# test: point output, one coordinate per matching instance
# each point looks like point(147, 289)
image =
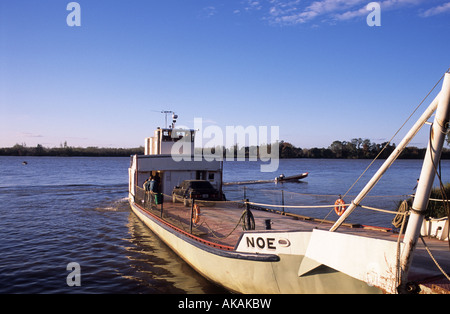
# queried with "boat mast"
point(174, 118)
point(432, 157)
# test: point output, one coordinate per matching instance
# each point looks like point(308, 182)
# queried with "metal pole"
point(406, 140)
point(247, 218)
point(162, 202)
point(192, 215)
point(151, 197)
point(282, 199)
point(430, 164)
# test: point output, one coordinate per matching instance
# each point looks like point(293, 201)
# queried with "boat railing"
point(375, 209)
point(223, 221)
point(217, 221)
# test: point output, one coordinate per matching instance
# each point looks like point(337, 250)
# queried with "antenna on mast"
point(174, 118)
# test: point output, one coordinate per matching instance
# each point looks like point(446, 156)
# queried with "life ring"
point(339, 207)
point(196, 214)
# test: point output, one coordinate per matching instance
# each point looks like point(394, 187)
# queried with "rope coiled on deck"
point(401, 214)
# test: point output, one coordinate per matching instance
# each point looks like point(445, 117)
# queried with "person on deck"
point(147, 183)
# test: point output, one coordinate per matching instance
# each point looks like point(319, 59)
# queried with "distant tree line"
point(356, 148)
point(69, 151)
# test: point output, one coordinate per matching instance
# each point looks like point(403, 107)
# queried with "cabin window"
point(211, 176)
point(167, 136)
point(176, 135)
point(200, 175)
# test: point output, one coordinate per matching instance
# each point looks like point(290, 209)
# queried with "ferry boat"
point(234, 244)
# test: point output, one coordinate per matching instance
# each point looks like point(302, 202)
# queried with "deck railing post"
point(192, 216)
point(150, 199)
point(162, 202)
point(249, 220)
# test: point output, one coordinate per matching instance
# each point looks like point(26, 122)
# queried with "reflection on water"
point(157, 266)
point(57, 211)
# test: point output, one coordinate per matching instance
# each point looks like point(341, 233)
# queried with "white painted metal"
point(292, 243)
point(435, 228)
point(427, 176)
point(367, 259)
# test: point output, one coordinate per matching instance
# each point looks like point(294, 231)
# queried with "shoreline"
point(286, 151)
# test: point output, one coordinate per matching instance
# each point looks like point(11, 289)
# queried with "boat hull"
point(251, 273)
point(295, 178)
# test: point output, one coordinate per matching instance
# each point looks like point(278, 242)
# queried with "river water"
point(55, 211)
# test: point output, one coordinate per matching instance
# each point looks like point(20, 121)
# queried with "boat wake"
point(280, 179)
point(119, 205)
point(248, 182)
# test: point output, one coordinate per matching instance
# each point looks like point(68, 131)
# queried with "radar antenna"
point(174, 118)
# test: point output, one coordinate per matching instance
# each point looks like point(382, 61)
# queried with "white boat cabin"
point(159, 160)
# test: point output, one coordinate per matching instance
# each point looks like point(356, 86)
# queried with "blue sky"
point(313, 68)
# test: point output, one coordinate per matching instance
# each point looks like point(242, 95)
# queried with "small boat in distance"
point(282, 178)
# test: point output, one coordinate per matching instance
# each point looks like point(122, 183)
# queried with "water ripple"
point(48, 224)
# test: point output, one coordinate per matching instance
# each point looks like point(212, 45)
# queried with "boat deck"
point(222, 223)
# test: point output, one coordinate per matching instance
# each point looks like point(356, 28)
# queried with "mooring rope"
point(434, 260)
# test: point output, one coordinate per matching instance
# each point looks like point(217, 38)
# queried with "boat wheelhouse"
point(172, 167)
